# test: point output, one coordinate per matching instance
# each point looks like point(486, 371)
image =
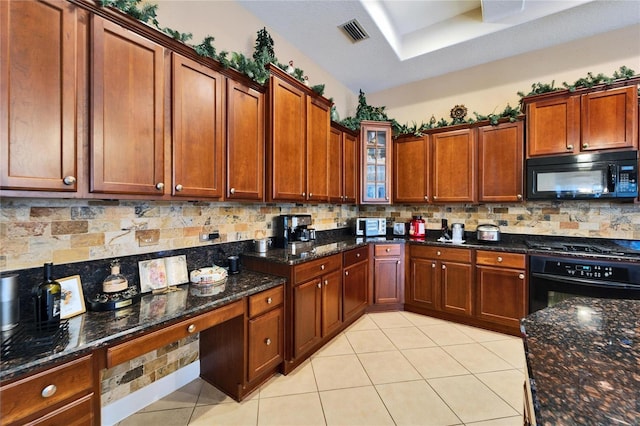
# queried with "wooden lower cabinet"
point(65, 394)
point(388, 276)
point(355, 283)
point(265, 341)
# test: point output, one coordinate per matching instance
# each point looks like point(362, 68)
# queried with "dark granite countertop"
point(93, 330)
point(583, 358)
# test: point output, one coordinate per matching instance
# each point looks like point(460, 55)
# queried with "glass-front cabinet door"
point(375, 137)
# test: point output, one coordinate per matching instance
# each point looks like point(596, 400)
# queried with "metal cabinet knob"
point(267, 341)
point(386, 198)
point(69, 180)
point(326, 282)
point(304, 194)
point(311, 194)
point(346, 273)
point(322, 267)
point(49, 391)
point(357, 254)
point(570, 147)
point(438, 253)
point(178, 187)
point(519, 196)
point(269, 300)
point(435, 197)
point(387, 250)
point(398, 262)
point(426, 198)
point(499, 258)
point(191, 328)
point(232, 191)
point(433, 265)
point(585, 145)
point(160, 186)
point(521, 276)
point(319, 285)
point(444, 266)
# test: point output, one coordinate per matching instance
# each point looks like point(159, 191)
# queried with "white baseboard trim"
point(134, 402)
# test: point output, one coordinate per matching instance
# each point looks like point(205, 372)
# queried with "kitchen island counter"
point(582, 359)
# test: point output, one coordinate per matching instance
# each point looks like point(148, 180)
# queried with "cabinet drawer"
point(262, 302)
point(78, 413)
point(315, 268)
point(442, 253)
point(497, 258)
point(380, 250)
point(64, 382)
point(354, 256)
point(133, 348)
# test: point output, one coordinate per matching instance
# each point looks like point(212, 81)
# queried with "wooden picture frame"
point(72, 297)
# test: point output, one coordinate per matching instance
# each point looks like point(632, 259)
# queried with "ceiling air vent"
point(354, 31)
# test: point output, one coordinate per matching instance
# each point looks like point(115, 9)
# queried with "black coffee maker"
point(290, 228)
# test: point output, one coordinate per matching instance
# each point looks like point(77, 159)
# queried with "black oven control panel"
point(582, 270)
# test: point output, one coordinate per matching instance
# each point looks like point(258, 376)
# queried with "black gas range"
point(610, 248)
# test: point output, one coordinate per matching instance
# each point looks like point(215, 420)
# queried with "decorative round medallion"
point(458, 112)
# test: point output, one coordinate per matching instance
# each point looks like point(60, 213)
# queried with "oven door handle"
point(585, 281)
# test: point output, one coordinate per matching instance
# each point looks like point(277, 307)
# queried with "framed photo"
point(163, 273)
point(72, 298)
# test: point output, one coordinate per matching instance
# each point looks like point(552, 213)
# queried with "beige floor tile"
point(369, 341)
point(506, 384)
point(434, 362)
point(505, 421)
point(408, 338)
point(481, 335)
point(354, 407)
point(388, 367)
point(446, 334)
point(511, 350)
point(390, 320)
point(470, 399)
point(476, 358)
point(303, 409)
point(171, 417)
point(336, 372)
point(339, 345)
point(363, 323)
point(186, 396)
point(415, 403)
point(238, 414)
point(210, 395)
point(300, 380)
point(420, 320)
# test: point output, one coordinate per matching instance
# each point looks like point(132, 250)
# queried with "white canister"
point(262, 245)
point(457, 232)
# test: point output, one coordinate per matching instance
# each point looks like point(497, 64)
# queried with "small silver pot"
point(488, 232)
point(262, 245)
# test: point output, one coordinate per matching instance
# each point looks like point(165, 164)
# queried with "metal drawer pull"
point(267, 341)
point(387, 250)
point(438, 253)
point(322, 267)
point(191, 328)
point(499, 258)
point(521, 276)
point(49, 391)
point(269, 300)
point(357, 254)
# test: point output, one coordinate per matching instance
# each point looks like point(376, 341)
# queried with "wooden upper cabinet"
point(38, 128)
point(410, 169)
point(453, 165)
point(501, 162)
point(318, 128)
point(376, 149)
point(553, 126)
point(335, 166)
point(127, 98)
point(245, 142)
point(198, 150)
point(609, 119)
point(286, 147)
point(350, 167)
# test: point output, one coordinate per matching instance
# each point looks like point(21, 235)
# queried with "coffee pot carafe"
point(457, 232)
point(9, 301)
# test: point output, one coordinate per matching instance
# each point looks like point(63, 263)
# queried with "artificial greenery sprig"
point(623, 73)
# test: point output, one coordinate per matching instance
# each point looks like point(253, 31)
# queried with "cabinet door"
point(335, 166)
point(350, 168)
point(423, 283)
point(456, 285)
point(553, 126)
point(375, 138)
point(331, 302)
point(500, 162)
point(318, 126)
point(245, 143)
point(265, 342)
point(501, 295)
point(307, 300)
point(38, 96)
point(354, 284)
point(127, 152)
point(388, 279)
point(609, 119)
point(198, 160)
point(453, 166)
point(410, 170)
point(288, 156)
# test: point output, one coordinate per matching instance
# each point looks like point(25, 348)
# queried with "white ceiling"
point(411, 40)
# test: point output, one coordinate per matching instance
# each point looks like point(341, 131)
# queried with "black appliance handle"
point(585, 281)
point(612, 177)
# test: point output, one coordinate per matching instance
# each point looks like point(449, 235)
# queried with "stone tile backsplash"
point(34, 231)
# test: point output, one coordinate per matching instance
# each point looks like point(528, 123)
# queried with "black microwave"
point(610, 175)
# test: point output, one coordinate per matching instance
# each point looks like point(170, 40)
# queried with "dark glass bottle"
point(47, 300)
